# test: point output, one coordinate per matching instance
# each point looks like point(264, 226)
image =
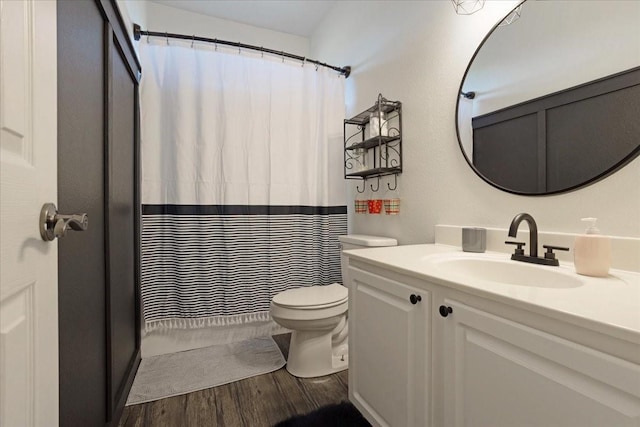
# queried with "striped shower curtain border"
point(217, 265)
point(241, 210)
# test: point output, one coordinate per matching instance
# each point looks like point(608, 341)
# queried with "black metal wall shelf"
point(372, 142)
point(374, 172)
point(381, 153)
point(363, 118)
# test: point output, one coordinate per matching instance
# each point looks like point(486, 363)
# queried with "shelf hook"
point(358, 190)
point(395, 178)
point(377, 188)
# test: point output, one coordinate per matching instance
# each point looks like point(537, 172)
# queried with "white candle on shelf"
point(378, 124)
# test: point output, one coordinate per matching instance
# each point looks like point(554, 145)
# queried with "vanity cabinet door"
point(389, 350)
point(501, 373)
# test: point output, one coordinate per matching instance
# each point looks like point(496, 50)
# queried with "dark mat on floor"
point(339, 415)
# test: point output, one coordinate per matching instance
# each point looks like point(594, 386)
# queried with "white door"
point(28, 171)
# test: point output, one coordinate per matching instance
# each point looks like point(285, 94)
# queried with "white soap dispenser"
point(592, 251)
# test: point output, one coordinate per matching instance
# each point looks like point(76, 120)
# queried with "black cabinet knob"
point(445, 311)
point(415, 298)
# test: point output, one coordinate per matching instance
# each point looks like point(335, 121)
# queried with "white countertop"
point(609, 305)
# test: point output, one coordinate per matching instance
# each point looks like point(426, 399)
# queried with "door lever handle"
point(54, 224)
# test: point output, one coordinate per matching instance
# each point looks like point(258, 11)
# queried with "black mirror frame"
point(593, 180)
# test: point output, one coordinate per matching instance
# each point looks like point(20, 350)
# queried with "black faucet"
point(549, 256)
point(533, 231)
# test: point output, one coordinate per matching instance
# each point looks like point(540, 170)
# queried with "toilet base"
point(311, 355)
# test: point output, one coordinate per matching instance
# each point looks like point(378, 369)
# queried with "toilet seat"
point(312, 297)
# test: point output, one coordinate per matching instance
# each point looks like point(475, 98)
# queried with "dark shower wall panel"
point(573, 130)
point(97, 174)
point(81, 272)
point(502, 152)
point(122, 213)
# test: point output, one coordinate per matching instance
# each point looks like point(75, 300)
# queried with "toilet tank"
point(360, 241)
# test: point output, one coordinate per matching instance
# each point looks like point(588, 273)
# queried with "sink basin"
point(501, 269)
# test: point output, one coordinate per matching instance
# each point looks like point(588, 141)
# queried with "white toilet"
point(317, 315)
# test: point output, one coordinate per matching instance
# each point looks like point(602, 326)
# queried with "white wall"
point(158, 17)
point(417, 52)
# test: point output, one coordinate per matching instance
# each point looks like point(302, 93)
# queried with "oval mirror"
point(550, 101)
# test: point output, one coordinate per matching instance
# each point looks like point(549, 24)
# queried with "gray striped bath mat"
point(174, 374)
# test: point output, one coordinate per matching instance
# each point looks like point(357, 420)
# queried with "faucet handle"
point(549, 254)
point(518, 250)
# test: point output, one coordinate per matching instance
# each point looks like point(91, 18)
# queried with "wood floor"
point(255, 402)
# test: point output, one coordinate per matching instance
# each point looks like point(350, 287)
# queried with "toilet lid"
point(312, 296)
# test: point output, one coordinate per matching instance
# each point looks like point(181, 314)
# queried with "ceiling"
point(298, 17)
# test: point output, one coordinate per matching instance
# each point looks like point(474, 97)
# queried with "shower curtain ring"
point(239, 51)
point(193, 39)
point(262, 51)
point(304, 61)
point(282, 53)
point(166, 35)
point(215, 42)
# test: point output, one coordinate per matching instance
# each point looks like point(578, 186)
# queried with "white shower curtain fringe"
point(195, 323)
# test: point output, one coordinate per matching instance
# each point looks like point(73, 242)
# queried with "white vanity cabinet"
point(484, 363)
point(498, 372)
point(389, 350)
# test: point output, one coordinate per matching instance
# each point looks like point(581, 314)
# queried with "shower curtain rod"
point(138, 32)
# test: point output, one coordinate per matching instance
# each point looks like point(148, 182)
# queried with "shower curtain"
point(242, 183)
